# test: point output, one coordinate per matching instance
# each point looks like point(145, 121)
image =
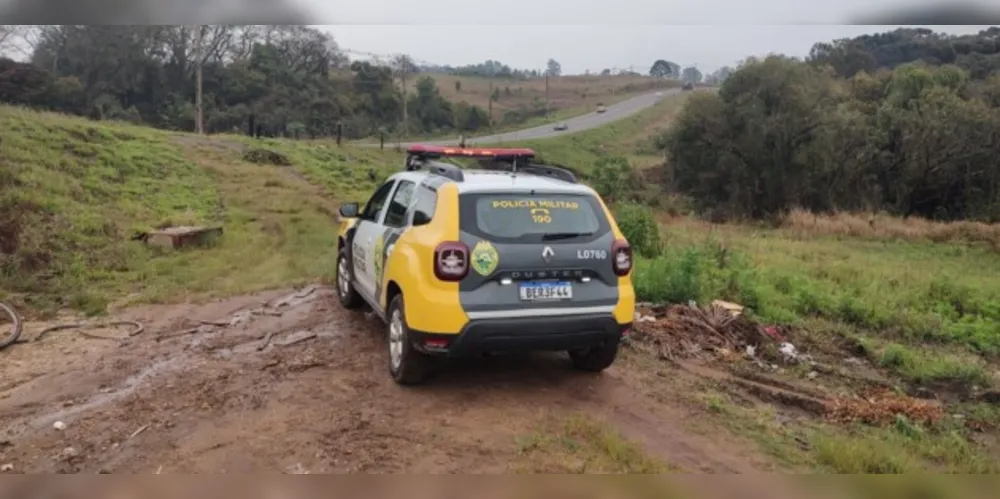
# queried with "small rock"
point(7, 467)
point(812, 375)
point(69, 452)
point(59, 425)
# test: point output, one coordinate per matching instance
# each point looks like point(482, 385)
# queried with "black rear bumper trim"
point(526, 334)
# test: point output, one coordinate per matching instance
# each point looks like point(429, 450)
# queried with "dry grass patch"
point(882, 226)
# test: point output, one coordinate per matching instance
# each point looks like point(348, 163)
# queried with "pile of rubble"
point(687, 331)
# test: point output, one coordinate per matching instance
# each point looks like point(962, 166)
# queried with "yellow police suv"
point(509, 256)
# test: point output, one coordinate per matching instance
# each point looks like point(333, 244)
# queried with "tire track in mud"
point(209, 401)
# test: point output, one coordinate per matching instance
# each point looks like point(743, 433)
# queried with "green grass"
point(818, 446)
point(73, 192)
point(915, 292)
point(578, 444)
point(345, 173)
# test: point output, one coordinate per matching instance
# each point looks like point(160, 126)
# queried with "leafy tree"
point(978, 54)
point(292, 79)
point(919, 139)
point(428, 110)
point(665, 69)
point(553, 68)
point(691, 75)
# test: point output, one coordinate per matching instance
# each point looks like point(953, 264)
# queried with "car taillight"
point(621, 257)
point(451, 261)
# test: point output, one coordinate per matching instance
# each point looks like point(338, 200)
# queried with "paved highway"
point(578, 124)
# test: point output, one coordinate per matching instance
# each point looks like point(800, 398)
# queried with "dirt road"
point(208, 397)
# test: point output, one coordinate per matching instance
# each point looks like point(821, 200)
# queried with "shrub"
point(611, 178)
point(640, 228)
point(700, 273)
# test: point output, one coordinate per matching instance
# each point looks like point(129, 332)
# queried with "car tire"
point(407, 365)
point(349, 296)
point(595, 359)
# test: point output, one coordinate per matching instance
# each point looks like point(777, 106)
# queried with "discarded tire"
point(8, 338)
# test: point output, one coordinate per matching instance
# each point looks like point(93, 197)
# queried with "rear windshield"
point(533, 217)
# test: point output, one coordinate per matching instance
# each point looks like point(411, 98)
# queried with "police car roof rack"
point(512, 160)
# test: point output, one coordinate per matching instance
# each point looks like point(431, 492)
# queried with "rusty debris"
point(882, 408)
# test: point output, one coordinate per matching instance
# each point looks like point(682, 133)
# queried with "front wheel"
point(349, 296)
point(595, 359)
point(406, 365)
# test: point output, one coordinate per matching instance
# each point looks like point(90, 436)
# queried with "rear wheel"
point(349, 296)
point(406, 365)
point(595, 359)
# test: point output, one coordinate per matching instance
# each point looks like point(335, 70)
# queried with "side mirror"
point(349, 210)
point(420, 218)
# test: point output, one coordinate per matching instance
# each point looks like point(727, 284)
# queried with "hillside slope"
point(578, 93)
point(74, 192)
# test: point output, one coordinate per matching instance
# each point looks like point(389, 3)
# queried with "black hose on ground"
point(18, 326)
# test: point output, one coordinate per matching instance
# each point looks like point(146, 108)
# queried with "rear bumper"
point(525, 334)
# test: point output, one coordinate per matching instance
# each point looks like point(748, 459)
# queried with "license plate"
point(546, 291)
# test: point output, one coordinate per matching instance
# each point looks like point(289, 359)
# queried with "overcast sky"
point(594, 34)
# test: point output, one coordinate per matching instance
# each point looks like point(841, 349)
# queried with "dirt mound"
point(266, 157)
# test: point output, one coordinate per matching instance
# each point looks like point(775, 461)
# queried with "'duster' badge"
point(485, 258)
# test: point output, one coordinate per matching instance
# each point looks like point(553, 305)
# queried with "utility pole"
point(199, 124)
point(403, 61)
point(406, 118)
point(490, 105)
point(546, 94)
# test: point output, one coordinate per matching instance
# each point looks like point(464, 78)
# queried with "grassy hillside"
point(565, 92)
point(74, 192)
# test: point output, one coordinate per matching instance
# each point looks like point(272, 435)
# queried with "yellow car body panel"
point(625, 309)
point(432, 305)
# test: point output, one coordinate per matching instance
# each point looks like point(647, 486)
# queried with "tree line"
point(906, 122)
point(292, 80)
point(663, 68)
point(487, 69)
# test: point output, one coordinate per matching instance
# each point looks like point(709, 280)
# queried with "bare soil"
point(289, 382)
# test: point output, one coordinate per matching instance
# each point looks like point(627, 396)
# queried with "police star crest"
point(485, 258)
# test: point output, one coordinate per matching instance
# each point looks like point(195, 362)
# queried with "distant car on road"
point(601, 109)
point(688, 86)
point(561, 126)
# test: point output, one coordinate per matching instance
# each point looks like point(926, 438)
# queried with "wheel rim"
point(343, 283)
point(396, 339)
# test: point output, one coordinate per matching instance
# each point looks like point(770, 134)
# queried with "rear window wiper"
point(565, 235)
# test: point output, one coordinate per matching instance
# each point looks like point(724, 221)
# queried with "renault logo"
point(547, 254)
